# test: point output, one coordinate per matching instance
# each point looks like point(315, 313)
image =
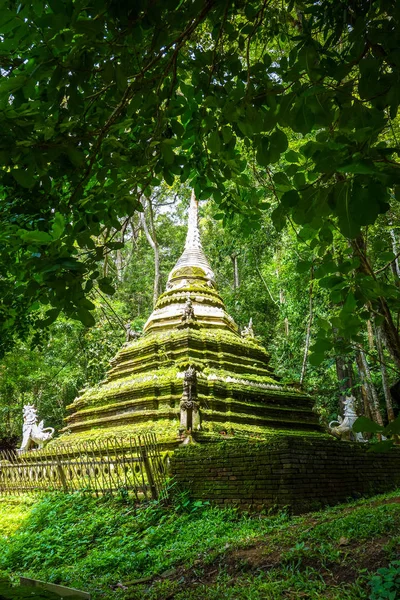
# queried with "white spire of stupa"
point(193, 254)
point(193, 234)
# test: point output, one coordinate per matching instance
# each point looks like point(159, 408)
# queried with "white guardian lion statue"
point(342, 427)
point(32, 432)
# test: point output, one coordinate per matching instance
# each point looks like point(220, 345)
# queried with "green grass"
point(196, 551)
point(13, 512)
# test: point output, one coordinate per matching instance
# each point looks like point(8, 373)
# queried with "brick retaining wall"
point(303, 473)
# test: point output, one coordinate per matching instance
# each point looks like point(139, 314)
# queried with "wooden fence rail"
point(100, 467)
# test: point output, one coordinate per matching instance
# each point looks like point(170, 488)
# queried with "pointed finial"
point(193, 234)
point(193, 254)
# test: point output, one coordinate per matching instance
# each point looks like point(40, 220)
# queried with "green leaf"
point(24, 177)
point(85, 317)
point(303, 266)
point(76, 156)
point(40, 237)
point(278, 217)
point(365, 425)
point(292, 156)
point(363, 168)
point(331, 282)
point(281, 181)
point(58, 226)
point(168, 176)
point(263, 155)
point(350, 303)
point(278, 140)
point(214, 142)
point(227, 134)
point(383, 446)
point(167, 153)
point(290, 199)
point(105, 286)
point(50, 316)
point(177, 128)
point(387, 256)
point(322, 345)
point(267, 60)
point(299, 180)
point(393, 427)
point(85, 303)
point(316, 358)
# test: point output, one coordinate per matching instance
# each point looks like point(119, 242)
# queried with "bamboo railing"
point(99, 467)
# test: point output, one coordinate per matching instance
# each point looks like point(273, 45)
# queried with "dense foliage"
point(260, 276)
point(191, 550)
point(284, 113)
point(100, 103)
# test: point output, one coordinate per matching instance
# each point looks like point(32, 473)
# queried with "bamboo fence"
point(99, 467)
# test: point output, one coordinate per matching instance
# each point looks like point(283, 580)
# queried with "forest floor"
point(193, 551)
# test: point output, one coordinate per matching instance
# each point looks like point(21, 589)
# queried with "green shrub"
point(385, 585)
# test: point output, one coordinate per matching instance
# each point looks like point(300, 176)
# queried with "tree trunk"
point(370, 335)
point(119, 263)
point(265, 285)
point(105, 261)
point(308, 334)
point(105, 266)
point(236, 283)
point(395, 249)
point(367, 407)
point(385, 380)
point(344, 372)
point(150, 233)
point(366, 378)
point(389, 330)
point(282, 301)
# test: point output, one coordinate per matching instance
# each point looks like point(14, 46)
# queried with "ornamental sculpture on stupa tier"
point(191, 372)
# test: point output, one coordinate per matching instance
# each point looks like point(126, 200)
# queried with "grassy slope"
point(193, 551)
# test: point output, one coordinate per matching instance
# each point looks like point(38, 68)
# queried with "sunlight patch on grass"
point(14, 510)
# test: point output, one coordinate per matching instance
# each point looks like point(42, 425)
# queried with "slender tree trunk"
point(265, 285)
point(282, 301)
point(119, 258)
point(385, 380)
point(370, 335)
point(364, 389)
point(344, 373)
point(236, 283)
point(119, 265)
point(389, 330)
point(367, 407)
point(395, 249)
point(366, 378)
point(308, 334)
point(150, 233)
point(395, 266)
point(106, 266)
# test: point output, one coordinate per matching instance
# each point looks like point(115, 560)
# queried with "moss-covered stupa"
point(191, 370)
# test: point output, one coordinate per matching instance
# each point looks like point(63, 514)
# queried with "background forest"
point(273, 277)
point(283, 116)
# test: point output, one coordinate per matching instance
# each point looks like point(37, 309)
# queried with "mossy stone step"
point(10, 592)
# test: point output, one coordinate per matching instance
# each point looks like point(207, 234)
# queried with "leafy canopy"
point(101, 101)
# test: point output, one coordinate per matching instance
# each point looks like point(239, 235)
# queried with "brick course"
point(288, 471)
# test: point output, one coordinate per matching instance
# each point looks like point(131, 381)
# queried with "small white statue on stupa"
point(32, 432)
point(188, 311)
point(131, 335)
point(343, 427)
point(248, 332)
